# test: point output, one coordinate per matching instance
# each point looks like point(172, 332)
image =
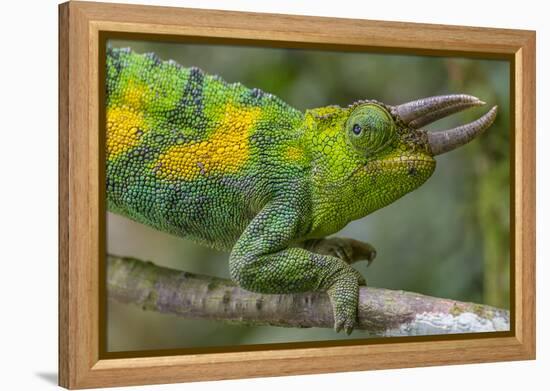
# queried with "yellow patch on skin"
point(313, 115)
point(135, 94)
point(294, 154)
point(225, 151)
point(124, 129)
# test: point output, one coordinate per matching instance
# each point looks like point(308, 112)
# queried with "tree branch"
point(381, 311)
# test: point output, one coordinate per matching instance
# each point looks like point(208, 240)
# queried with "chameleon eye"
point(370, 128)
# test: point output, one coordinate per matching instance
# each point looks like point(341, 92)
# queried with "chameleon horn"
point(447, 140)
point(427, 110)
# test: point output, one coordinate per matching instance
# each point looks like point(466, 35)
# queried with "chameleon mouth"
point(413, 166)
point(424, 111)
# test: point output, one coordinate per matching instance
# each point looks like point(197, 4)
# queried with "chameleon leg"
point(262, 261)
point(348, 250)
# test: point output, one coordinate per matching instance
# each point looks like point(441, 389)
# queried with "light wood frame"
point(80, 241)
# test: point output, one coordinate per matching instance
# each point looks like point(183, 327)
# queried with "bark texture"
point(382, 312)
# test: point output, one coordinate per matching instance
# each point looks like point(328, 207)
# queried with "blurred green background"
point(449, 238)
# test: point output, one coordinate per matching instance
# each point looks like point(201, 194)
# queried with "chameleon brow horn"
point(427, 110)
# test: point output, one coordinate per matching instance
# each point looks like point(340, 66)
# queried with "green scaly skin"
point(238, 169)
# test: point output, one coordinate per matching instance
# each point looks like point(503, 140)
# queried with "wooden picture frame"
point(83, 25)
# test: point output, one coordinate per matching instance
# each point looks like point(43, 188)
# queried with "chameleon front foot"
point(265, 260)
point(344, 296)
point(347, 249)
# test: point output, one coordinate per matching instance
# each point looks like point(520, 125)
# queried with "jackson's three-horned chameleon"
point(240, 170)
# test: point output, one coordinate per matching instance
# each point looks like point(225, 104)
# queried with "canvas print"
point(261, 195)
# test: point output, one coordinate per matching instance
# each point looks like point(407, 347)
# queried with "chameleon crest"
point(240, 170)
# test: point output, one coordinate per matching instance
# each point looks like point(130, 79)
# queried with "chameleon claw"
point(347, 249)
point(345, 325)
point(371, 259)
point(362, 251)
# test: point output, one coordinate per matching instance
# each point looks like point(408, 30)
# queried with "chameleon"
point(240, 170)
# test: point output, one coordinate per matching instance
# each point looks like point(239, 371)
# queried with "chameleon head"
point(378, 153)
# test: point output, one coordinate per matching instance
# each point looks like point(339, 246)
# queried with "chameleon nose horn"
point(427, 110)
